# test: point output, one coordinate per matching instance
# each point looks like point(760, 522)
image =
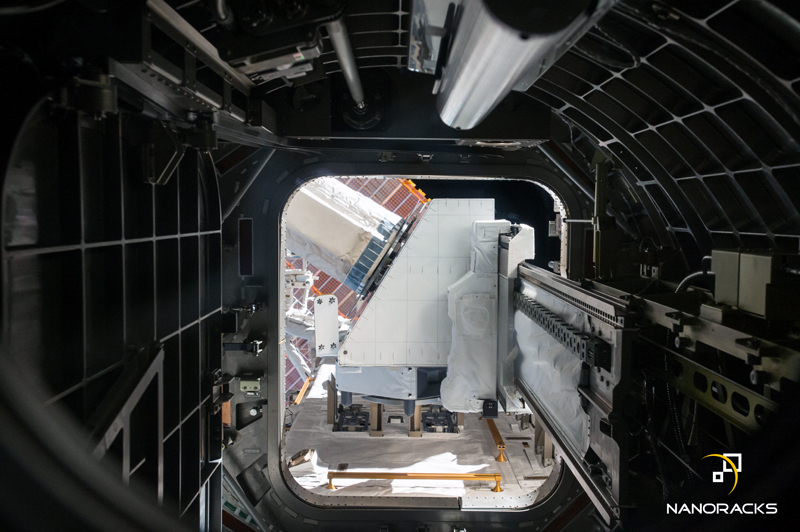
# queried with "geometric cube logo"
point(731, 463)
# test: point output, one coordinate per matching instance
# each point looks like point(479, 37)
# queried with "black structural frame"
point(112, 297)
point(696, 101)
point(279, 503)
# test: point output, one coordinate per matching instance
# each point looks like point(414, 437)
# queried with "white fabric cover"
point(329, 225)
point(484, 237)
point(472, 308)
point(520, 248)
point(472, 362)
point(548, 367)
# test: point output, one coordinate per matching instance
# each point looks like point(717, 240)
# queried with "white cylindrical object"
point(489, 57)
point(338, 230)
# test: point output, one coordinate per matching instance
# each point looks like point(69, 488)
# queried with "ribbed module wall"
point(688, 96)
point(102, 265)
point(701, 113)
point(379, 33)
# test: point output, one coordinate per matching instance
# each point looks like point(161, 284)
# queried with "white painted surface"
point(326, 324)
point(406, 323)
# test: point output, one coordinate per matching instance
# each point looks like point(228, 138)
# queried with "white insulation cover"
point(549, 368)
point(329, 225)
point(472, 308)
point(484, 236)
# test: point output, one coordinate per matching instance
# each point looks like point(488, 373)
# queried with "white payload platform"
point(470, 451)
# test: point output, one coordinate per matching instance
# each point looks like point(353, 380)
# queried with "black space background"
point(515, 201)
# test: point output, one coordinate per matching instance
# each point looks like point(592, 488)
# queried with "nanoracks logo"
point(750, 508)
point(734, 460)
point(719, 476)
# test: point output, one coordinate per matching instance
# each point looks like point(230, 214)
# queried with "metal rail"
point(253, 167)
point(597, 304)
point(776, 359)
point(601, 498)
point(236, 489)
point(496, 477)
point(593, 351)
point(114, 416)
point(169, 21)
point(733, 402)
point(498, 440)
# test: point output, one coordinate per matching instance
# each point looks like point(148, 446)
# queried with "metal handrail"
point(496, 477)
point(303, 390)
point(498, 440)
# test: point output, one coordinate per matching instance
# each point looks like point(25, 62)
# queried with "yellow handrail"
point(303, 390)
point(498, 440)
point(496, 477)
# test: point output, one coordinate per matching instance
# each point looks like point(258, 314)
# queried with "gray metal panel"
point(756, 271)
point(725, 265)
point(605, 308)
